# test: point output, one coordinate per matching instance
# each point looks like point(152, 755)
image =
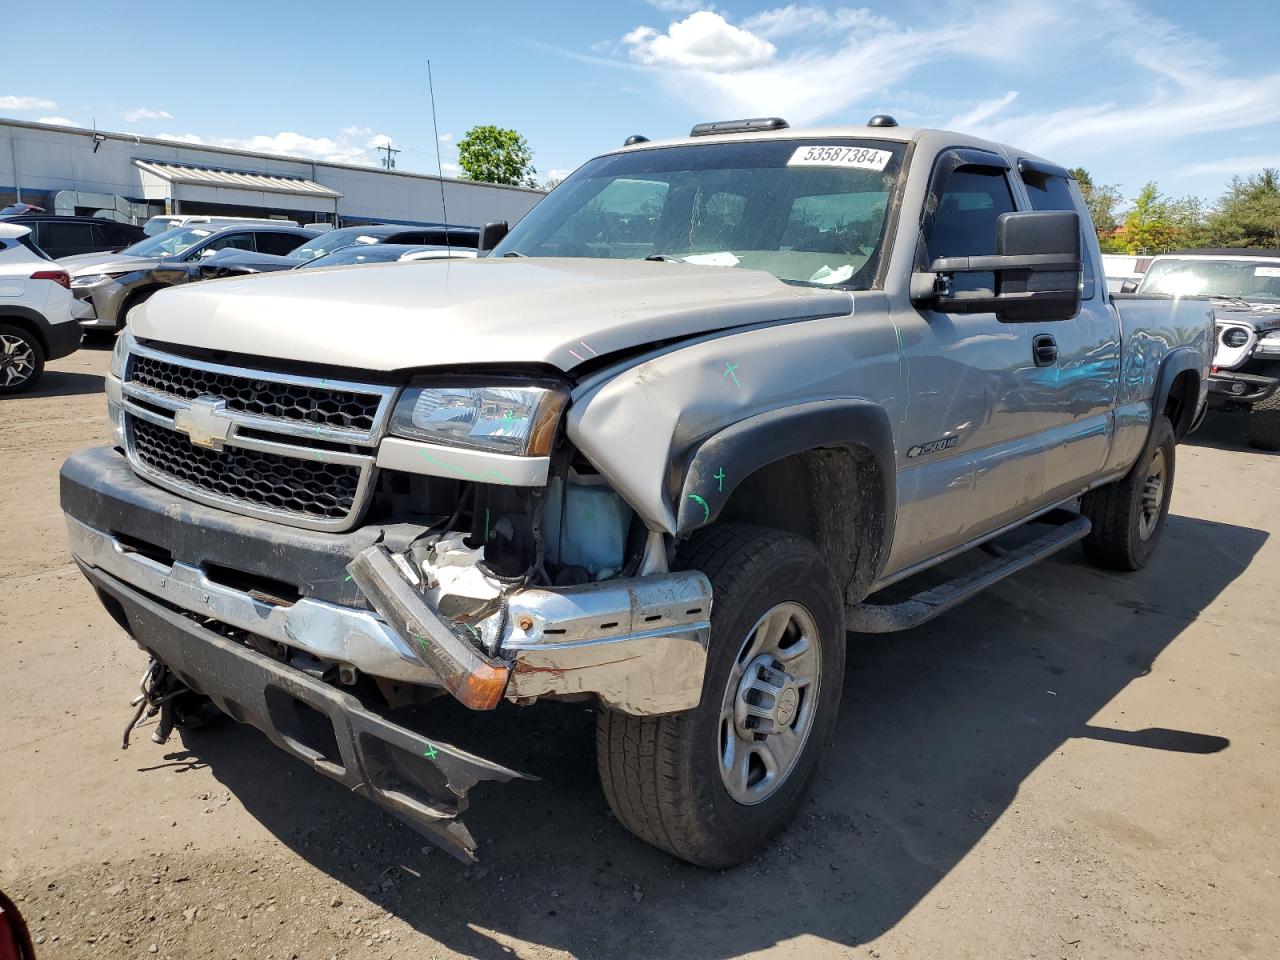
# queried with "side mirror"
point(491, 235)
point(1037, 270)
point(1129, 286)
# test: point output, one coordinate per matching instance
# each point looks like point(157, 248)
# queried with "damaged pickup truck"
point(712, 403)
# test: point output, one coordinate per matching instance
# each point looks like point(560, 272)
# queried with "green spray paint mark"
point(467, 474)
point(509, 419)
point(423, 642)
point(728, 371)
point(719, 478)
point(486, 524)
point(702, 503)
point(348, 579)
point(431, 752)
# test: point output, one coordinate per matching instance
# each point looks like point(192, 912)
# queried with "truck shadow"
point(1224, 431)
point(938, 729)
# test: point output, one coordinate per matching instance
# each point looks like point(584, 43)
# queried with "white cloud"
point(679, 6)
point(446, 137)
point(57, 121)
point(1230, 165)
point(981, 112)
point(451, 169)
point(792, 19)
point(702, 41)
point(8, 102)
point(145, 113)
point(353, 145)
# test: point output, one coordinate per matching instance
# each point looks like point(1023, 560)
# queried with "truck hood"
point(443, 313)
point(106, 263)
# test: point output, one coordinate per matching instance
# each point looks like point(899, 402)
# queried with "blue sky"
point(1187, 93)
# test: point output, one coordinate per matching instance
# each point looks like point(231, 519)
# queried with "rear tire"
point(134, 300)
point(1128, 515)
point(1264, 417)
point(21, 359)
point(712, 785)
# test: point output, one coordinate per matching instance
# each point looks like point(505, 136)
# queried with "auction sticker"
point(858, 158)
point(1266, 272)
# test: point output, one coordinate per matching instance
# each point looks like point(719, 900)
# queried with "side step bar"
point(869, 617)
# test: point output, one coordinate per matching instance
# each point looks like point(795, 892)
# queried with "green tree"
point(1157, 224)
point(495, 155)
point(1102, 202)
point(1248, 214)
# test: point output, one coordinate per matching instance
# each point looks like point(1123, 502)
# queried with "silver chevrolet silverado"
point(714, 402)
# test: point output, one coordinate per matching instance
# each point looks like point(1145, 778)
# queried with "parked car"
point(60, 236)
point(20, 207)
point(359, 253)
point(1244, 286)
point(110, 285)
point(1121, 268)
point(167, 221)
point(232, 263)
point(680, 430)
point(36, 320)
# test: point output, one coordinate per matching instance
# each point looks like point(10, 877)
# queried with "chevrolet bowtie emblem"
point(204, 423)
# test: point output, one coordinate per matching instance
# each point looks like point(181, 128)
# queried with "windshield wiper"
point(664, 258)
point(514, 253)
point(1223, 296)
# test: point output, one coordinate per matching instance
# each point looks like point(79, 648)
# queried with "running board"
point(927, 604)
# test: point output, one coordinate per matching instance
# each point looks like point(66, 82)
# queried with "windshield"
point(1257, 281)
point(168, 244)
point(158, 225)
point(329, 242)
point(360, 253)
point(809, 212)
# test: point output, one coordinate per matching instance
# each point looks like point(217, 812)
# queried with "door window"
point(238, 241)
point(64, 239)
point(964, 225)
point(1052, 192)
point(279, 244)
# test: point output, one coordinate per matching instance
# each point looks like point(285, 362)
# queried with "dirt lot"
point(1075, 765)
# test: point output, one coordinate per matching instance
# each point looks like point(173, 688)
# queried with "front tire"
point(1264, 417)
point(21, 359)
point(712, 785)
point(1128, 515)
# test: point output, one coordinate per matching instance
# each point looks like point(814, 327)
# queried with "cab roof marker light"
point(753, 125)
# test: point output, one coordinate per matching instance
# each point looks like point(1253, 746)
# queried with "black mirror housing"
point(1129, 286)
point(492, 234)
point(1037, 269)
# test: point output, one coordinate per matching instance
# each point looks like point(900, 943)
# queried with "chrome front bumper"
point(638, 644)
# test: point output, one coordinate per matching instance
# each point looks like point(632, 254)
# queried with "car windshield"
point(168, 244)
point(158, 225)
point(360, 253)
point(1255, 280)
point(326, 243)
point(807, 211)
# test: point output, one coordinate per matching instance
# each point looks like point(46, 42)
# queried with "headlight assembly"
point(514, 420)
point(119, 353)
point(89, 279)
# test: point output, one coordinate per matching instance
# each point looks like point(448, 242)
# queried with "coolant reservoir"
point(591, 525)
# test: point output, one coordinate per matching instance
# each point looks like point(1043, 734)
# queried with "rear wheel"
point(713, 784)
point(1128, 515)
point(21, 359)
point(133, 300)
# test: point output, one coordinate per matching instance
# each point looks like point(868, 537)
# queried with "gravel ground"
point(1075, 765)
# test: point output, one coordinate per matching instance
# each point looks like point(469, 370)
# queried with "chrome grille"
point(337, 409)
point(296, 450)
point(326, 491)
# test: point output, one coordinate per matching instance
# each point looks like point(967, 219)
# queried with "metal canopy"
point(162, 180)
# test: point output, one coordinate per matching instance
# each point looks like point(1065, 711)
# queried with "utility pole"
point(389, 161)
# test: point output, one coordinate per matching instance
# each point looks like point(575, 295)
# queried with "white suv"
point(37, 322)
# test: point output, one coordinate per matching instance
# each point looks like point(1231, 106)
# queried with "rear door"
point(64, 238)
point(279, 243)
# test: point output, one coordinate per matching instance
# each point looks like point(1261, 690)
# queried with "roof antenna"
point(444, 210)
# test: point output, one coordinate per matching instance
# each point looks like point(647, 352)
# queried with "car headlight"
point(515, 420)
point(119, 354)
point(1269, 345)
point(89, 279)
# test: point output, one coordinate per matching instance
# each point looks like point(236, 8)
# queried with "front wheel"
point(1264, 416)
point(1128, 515)
point(712, 785)
point(21, 359)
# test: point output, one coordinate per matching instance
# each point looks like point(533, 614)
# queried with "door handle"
point(1045, 350)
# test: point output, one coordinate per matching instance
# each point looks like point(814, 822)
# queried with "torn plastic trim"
point(472, 678)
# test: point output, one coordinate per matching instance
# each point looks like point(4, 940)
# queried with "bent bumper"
point(1240, 388)
point(421, 781)
point(637, 644)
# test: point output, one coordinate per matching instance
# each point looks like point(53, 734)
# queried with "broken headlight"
point(515, 420)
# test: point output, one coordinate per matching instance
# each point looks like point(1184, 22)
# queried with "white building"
point(71, 170)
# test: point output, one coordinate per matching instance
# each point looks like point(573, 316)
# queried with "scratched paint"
point(467, 474)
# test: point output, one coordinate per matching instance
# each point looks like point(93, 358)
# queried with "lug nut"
point(525, 623)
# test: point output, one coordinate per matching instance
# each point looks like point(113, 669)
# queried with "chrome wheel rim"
point(769, 703)
point(1152, 495)
point(17, 360)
